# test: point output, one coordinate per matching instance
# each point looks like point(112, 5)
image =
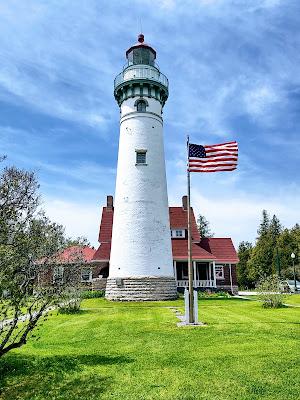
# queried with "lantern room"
point(141, 53)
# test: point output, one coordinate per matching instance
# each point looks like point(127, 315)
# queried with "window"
point(141, 106)
point(219, 271)
point(140, 156)
point(58, 275)
point(86, 275)
point(178, 233)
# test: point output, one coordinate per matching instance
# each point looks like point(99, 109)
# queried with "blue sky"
point(233, 69)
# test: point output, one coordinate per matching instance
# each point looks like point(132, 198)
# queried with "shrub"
point(270, 292)
point(71, 302)
point(92, 294)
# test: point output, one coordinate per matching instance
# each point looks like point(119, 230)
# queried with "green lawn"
point(293, 299)
point(135, 351)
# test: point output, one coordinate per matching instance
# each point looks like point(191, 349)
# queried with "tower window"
point(140, 157)
point(141, 106)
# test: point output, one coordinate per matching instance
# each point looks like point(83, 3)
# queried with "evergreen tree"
point(271, 253)
point(244, 253)
point(275, 228)
point(264, 225)
point(261, 262)
point(204, 227)
point(288, 243)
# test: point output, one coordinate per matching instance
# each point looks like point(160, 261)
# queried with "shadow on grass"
point(61, 377)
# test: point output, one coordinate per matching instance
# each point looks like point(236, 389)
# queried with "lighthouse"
point(141, 266)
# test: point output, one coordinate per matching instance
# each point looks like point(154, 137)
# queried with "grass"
point(293, 299)
point(136, 351)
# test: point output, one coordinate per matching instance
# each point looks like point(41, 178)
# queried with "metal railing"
point(141, 72)
point(197, 283)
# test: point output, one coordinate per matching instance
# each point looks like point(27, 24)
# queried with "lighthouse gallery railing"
point(141, 72)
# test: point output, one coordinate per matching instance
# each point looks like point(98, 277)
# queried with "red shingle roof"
point(180, 251)
point(76, 254)
point(178, 219)
point(219, 249)
point(222, 248)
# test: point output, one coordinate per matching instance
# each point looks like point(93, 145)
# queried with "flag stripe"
point(230, 147)
point(212, 165)
point(221, 144)
point(212, 170)
point(208, 152)
point(213, 158)
point(219, 154)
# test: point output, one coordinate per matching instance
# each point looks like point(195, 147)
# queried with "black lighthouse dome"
point(141, 53)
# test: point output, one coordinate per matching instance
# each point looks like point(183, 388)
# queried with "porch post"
point(195, 272)
point(230, 274)
point(175, 270)
point(211, 275)
point(214, 274)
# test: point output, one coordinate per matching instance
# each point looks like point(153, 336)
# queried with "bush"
point(71, 302)
point(270, 292)
point(92, 294)
point(72, 307)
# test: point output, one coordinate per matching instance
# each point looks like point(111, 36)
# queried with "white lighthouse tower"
point(141, 257)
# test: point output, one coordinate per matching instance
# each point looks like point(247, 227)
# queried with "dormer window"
point(178, 233)
point(141, 106)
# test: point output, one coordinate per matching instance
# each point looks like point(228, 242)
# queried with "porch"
point(204, 274)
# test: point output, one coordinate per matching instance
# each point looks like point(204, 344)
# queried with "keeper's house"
point(214, 259)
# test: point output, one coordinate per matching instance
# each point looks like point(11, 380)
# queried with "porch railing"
point(197, 283)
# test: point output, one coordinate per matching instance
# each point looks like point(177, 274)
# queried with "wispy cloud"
point(233, 70)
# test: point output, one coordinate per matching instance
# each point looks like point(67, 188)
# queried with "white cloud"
point(238, 216)
point(259, 100)
point(79, 219)
point(228, 59)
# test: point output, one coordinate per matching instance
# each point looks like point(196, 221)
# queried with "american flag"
point(213, 158)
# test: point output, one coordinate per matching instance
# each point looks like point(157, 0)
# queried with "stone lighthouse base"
point(147, 288)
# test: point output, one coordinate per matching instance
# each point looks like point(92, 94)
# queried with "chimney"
point(184, 203)
point(110, 202)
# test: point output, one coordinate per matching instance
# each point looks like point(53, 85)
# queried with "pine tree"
point(204, 227)
point(275, 230)
point(264, 225)
point(261, 262)
point(244, 253)
point(288, 243)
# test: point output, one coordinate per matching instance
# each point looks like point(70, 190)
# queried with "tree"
point(264, 225)
point(288, 243)
point(270, 292)
point(204, 227)
point(244, 253)
point(264, 260)
point(29, 242)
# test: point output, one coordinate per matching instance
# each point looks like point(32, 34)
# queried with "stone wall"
point(141, 289)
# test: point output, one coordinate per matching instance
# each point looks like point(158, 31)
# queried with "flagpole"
point(190, 259)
